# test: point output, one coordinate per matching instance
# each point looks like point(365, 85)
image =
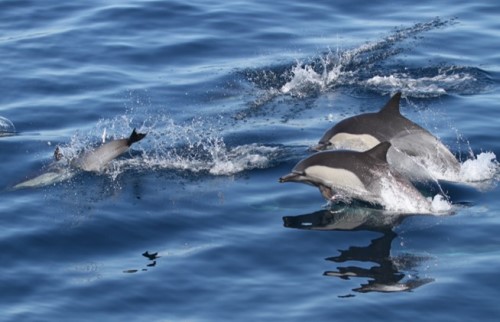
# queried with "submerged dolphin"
point(364, 176)
point(415, 152)
point(51, 176)
point(95, 160)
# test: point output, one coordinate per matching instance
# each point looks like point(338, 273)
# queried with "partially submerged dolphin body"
point(365, 176)
point(415, 152)
point(93, 160)
point(96, 160)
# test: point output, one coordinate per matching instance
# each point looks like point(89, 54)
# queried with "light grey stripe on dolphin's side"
point(97, 159)
point(415, 152)
point(356, 174)
point(372, 127)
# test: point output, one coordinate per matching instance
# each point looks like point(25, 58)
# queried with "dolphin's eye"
point(325, 143)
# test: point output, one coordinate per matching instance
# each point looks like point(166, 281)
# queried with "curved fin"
point(134, 137)
point(392, 106)
point(379, 152)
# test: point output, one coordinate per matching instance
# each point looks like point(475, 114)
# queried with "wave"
point(365, 68)
point(6, 127)
point(196, 146)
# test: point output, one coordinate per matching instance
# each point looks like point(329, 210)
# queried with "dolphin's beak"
point(318, 147)
point(289, 177)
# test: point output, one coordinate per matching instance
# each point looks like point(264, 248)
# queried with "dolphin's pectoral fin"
point(332, 197)
point(326, 192)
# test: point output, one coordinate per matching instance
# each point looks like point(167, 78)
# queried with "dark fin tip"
point(392, 106)
point(135, 137)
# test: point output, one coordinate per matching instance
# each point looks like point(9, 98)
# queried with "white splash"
point(192, 146)
point(360, 67)
point(244, 157)
point(402, 196)
point(421, 86)
point(305, 79)
point(481, 168)
point(6, 126)
point(439, 204)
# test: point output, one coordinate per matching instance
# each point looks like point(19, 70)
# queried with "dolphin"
point(415, 152)
point(95, 160)
point(364, 176)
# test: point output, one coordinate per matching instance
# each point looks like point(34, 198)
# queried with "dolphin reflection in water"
point(388, 274)
point(94, 160)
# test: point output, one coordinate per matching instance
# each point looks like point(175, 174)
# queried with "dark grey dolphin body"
point(349, 175)
point(97, 159)
point(415, 152)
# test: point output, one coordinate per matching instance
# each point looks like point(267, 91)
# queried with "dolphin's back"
point(95, 160)
point(382, 125)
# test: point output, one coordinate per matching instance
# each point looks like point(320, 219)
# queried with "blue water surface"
point(231, 95)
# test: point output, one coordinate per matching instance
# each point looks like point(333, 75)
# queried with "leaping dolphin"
point(365, 176)
point(415, 152)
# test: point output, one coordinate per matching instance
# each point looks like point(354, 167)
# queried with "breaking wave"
point(365, 68)
point(196, 146)
point(6, 127)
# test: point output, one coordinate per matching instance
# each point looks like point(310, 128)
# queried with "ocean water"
point(232, 95)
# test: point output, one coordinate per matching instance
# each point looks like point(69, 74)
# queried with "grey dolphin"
point(95, 160)
point(415, 152)
point(349, 175)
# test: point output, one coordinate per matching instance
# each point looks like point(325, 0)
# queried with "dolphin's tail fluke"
point(134, 137)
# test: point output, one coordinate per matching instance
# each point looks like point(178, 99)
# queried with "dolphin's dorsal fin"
point(379, 152)
point(392, 106)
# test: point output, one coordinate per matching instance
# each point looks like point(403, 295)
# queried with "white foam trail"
point(191, 146)
point(422, 86)
point(352, 67)
point(398, 197)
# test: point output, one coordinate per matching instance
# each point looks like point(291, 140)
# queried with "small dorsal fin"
point(379, 152)
point(392, 106)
